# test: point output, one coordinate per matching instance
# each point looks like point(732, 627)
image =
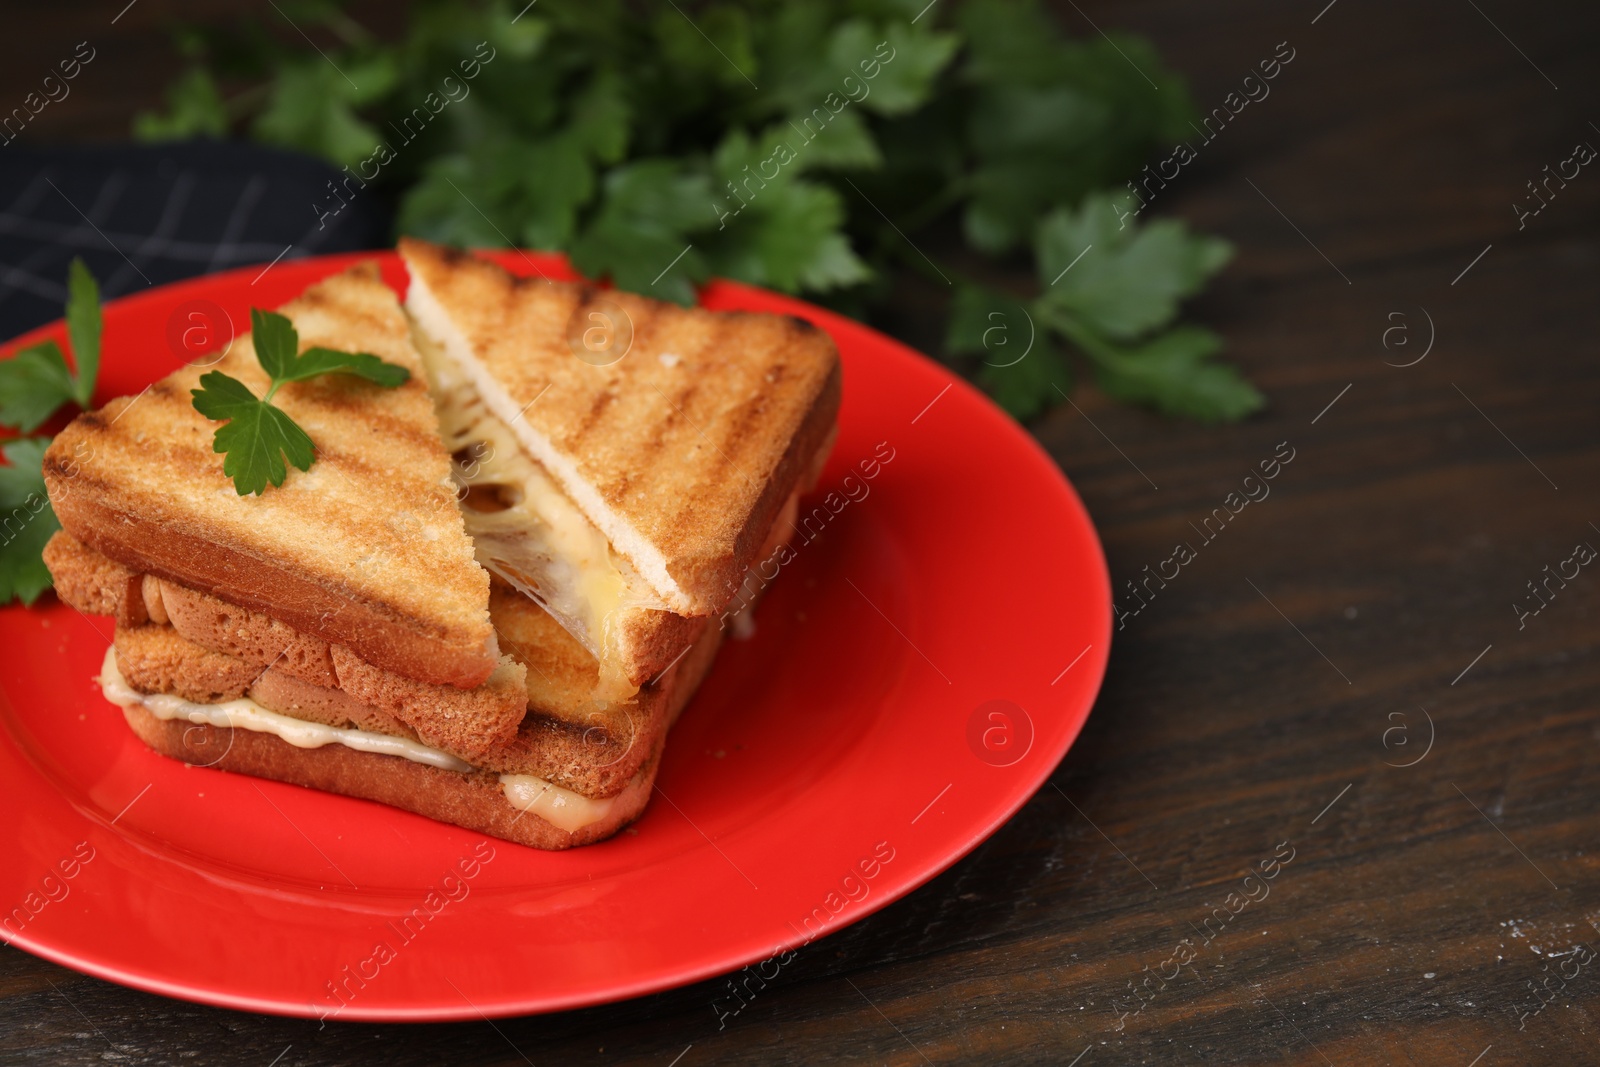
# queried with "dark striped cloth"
point(142, 215)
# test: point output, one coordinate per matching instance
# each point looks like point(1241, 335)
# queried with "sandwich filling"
point(563, 808)
point(426, 311)
point(560, 807)
point(527, 531)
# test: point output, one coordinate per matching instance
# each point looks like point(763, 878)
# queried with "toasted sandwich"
point(339, 632)
point(682, 446)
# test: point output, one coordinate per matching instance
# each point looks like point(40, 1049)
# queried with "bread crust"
point(597, 756)
point(222, 627)
point(473, 801)
point(155, 660)
point(238, 645)
point(92, 583)
point(367, 549)
point(285, 694)
point(649, 640)
point(468, 726)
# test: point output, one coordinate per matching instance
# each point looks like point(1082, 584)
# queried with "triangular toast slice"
point(367, 549)
point(679, 432)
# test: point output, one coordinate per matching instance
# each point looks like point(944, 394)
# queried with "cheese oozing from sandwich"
point(557, 806)
point(526, 530)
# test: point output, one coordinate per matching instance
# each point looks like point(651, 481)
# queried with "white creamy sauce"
point(246, 714)
point(560, 807)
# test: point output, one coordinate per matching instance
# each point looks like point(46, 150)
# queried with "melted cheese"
point(538, 540)
point(561, 808)
point(246, 714)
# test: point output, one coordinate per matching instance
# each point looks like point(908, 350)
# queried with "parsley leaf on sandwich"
point(258, 437)
point(36, 381)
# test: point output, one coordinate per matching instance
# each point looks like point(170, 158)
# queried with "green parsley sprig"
point(257, 436)
point(36, 381)
point(34, 384)
point(1111, 288)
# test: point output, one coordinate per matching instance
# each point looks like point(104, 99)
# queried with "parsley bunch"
point(34, 384)
point(812, 147)
point(257, 437)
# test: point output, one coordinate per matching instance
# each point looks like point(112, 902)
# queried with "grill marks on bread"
point(682, 460)
point(367, 548)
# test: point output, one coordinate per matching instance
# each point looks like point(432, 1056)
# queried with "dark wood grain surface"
point(1263, 705)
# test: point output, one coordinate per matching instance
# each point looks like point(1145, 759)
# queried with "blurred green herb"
point(29, 520)
point(35, 383)
point(767, 142)
point(36, 380)
point(1111, 289)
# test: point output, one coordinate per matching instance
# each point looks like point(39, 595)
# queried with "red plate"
point(918, 670)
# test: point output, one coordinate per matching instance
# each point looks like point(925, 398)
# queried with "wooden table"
point(1338, 690)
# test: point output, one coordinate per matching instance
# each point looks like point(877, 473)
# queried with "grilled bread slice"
point(366, 550)
point(679, 432)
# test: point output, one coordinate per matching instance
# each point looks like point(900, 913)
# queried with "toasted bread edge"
point(379, 633)
point(471, 801)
